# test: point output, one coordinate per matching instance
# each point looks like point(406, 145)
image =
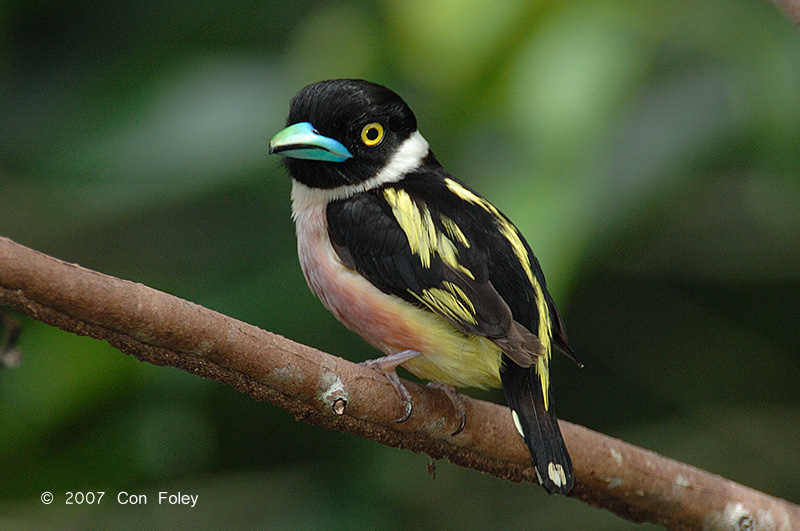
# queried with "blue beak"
point(302, 141)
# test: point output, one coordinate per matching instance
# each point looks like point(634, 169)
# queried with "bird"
point(424, 268)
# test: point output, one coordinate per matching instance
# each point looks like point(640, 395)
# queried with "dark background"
point(647, 150)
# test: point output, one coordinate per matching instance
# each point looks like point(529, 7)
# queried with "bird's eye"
point(372, 134)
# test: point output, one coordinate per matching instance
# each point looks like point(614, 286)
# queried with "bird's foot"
point(387, 366)
point(458, 403)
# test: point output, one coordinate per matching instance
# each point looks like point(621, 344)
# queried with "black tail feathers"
point(538, 427)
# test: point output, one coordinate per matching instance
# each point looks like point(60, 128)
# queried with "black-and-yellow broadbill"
point(420, 265)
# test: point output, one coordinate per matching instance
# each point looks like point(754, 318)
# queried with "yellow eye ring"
point(372, 134)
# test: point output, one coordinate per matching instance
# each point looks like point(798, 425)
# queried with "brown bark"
point(791, 8)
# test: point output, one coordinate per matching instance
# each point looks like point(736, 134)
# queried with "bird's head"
point(343, 132)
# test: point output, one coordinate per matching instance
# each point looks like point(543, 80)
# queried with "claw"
point(457, 401)
point(407, 406)
point(387, 365)
point(405, 396)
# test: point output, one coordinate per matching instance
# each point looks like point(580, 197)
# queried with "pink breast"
point(381, 319)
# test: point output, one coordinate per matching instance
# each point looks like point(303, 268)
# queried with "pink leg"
point(387, 365)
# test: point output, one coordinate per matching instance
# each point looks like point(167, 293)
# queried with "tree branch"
point(322, 389)
point(789, 7)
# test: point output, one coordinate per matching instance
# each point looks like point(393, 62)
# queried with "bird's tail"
point(538, 426)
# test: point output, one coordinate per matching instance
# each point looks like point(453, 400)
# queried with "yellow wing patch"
point(545, 336)
point(415, 222)
point(454, 231)
point(510, 232)
point(449, 301)
point(423, 237)
point(506, 228)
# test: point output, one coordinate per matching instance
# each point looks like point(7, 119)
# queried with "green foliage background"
point(648, 151)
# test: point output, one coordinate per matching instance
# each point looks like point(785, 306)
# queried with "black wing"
point(412, 239)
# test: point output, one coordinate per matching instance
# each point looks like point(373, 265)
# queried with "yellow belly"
point(450, 357)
